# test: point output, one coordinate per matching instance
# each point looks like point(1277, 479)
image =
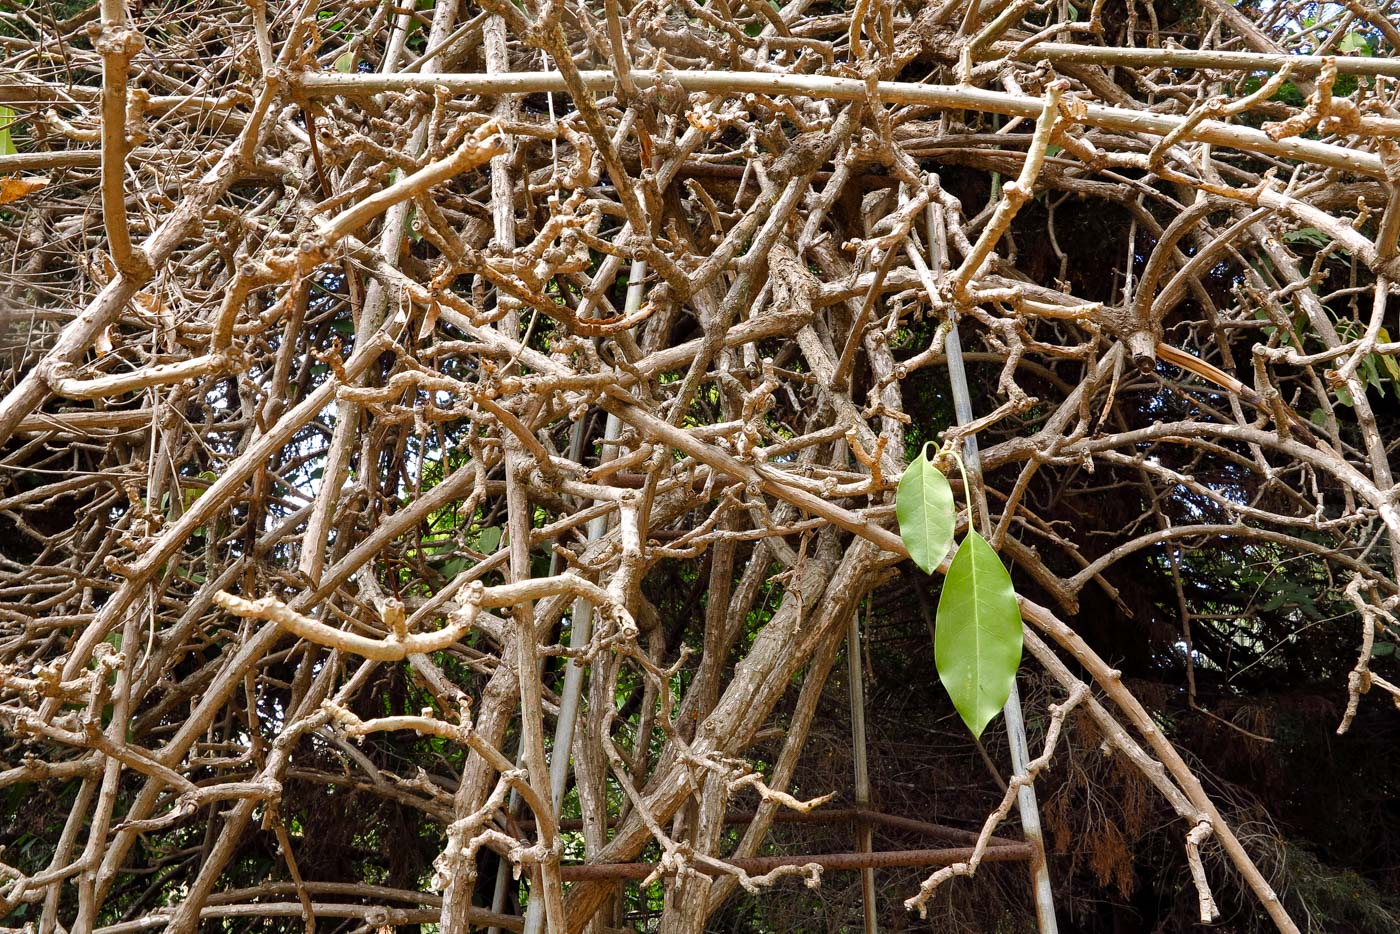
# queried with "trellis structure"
point(393, 391)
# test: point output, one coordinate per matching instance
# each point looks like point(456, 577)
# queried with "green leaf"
point(191, 493)
point(1354, 42)
point(1307, 235)
point(7, 145)
point(1389, 363)
point(927, 517)
point(488, 539)
point(1371, 375)
point(977, 642)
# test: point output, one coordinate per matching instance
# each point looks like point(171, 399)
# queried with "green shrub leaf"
point(977, 643)
point(924, 507)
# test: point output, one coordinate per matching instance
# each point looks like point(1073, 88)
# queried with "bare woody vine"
point(371, 370)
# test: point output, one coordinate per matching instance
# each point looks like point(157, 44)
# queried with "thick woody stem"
point(1111, 682)
point(1014, 195)
point(249, 577)
point(118, 43)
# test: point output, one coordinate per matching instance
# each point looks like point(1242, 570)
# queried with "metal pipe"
point(580, 629)
point(1030, 815)
point(581, 624)
point(864, 836)
point(1015, 724)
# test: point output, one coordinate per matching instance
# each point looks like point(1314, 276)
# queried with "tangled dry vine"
point(331, 329)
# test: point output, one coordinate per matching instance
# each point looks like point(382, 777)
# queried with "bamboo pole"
point(864, 836)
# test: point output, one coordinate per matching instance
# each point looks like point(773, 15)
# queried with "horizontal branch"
point(378, 915)
point(116, 384)
point(944, 96)
point(400, 644)
point(395, 648)
point(1012, 852)
point(1067, 53)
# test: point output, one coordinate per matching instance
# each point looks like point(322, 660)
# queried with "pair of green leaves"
point(977, 639)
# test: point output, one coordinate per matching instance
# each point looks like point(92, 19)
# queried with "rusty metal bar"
point(593, 872)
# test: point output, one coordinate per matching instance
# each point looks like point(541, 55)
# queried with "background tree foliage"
point(371, 367)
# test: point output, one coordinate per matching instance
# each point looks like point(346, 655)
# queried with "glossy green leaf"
point(927, 517)
point(977, 643)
